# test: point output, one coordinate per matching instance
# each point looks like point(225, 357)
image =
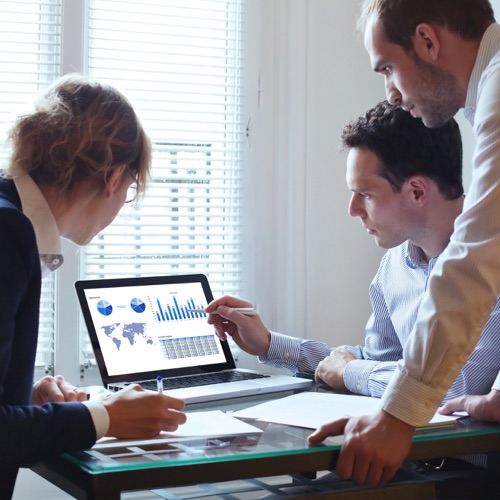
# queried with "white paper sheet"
point(199, 424)
point(313, 409)
point(212, 423)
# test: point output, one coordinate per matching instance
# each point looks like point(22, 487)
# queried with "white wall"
point(341, 257)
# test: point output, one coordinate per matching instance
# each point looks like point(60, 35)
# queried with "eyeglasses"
point(131, 193)
point(132, 189)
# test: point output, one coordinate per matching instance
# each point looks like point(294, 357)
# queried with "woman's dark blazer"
point(27, 433)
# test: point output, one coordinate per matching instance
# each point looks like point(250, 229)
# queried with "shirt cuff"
point(99, 416)
point(357, 374)
point(284, 352)
point(410, 401)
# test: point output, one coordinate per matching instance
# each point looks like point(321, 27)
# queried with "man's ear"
point(115, 180)
point(418, 188)
point(426, 42)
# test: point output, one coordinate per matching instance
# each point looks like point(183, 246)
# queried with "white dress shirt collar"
point(37, 210)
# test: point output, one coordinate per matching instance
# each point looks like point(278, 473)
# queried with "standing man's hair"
point(468, 19)
point(406, 147)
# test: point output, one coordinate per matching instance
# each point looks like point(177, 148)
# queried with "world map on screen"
point(133, 334)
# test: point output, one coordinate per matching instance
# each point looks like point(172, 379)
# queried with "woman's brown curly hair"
point(81, 130)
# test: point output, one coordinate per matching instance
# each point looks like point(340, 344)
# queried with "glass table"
point(105, 472)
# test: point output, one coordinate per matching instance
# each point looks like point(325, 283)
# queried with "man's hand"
point(55, 390)
point(374, 446)
point(248, 332)
point(330, 371)
point(135, 413)
point(485, 408)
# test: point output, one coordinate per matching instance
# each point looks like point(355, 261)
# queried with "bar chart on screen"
point(175, 311)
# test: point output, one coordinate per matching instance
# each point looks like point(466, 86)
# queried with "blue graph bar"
point(158, 314)
point(178, 312)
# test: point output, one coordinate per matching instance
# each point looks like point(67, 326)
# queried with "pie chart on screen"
point(137, 305)
point(104, 307)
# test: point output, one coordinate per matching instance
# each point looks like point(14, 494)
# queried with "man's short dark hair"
point(406, 147)
point(468, 19)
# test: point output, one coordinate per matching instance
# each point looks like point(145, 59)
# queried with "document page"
point(313, 409)
point(199, 424)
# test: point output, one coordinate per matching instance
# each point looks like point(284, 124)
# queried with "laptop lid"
point(142, 327)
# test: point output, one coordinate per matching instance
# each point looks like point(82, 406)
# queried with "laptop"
point(144, 328)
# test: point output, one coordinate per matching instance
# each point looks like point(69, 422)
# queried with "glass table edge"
point(327, 445)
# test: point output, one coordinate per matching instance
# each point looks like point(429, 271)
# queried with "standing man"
point(436, 57)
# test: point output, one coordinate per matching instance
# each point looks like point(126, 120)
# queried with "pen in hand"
point(247, 311)
point(159, 384)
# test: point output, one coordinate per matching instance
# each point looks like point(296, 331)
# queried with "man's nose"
point(393, 95)
point(354, 209)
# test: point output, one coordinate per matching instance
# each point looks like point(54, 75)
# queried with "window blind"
point(30, 52)
point(180, 62)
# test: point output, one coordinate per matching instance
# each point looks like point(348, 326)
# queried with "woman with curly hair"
point(74, 158)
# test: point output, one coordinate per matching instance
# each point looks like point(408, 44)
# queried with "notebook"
point(142, 328)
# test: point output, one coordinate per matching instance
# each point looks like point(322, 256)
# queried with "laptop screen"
point(144, 327)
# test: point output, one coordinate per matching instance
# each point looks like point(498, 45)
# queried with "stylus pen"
point(247, 311)
point(159, 384)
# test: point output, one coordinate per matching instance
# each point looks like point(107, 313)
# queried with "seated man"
point(406, 183)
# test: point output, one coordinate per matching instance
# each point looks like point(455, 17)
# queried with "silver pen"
point(247, 311)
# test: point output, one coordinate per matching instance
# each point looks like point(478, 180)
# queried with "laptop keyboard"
point(201, 379)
